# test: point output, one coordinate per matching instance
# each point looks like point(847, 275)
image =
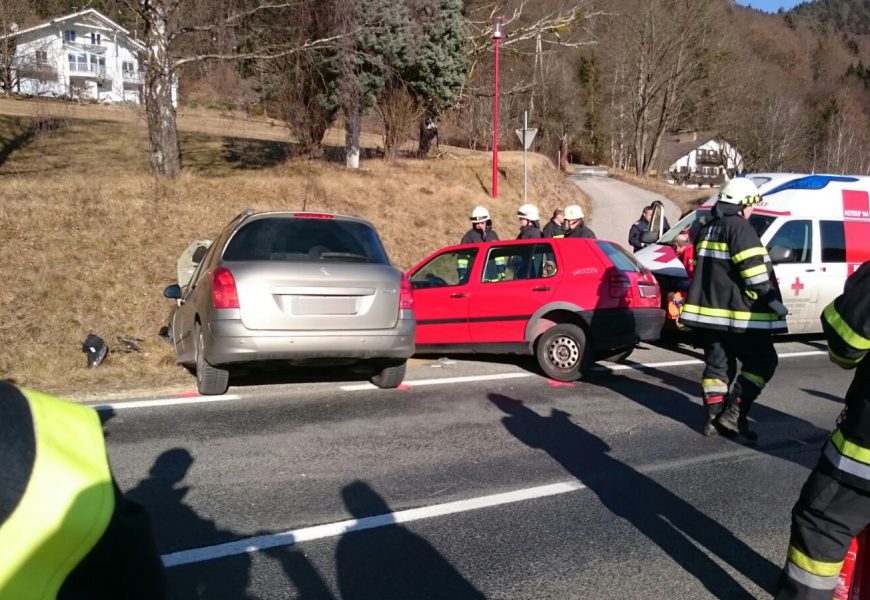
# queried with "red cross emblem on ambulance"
point(797, 286)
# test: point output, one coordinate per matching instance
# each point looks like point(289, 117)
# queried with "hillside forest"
point(604, 81)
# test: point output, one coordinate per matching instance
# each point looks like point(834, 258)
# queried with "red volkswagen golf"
point(567, 301)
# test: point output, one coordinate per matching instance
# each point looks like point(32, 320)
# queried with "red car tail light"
point(406, 297)
point(620, 287)
point(223, 289)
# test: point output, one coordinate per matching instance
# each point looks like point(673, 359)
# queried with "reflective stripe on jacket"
point(846, 323)
point(733, 280)
point(66, 497)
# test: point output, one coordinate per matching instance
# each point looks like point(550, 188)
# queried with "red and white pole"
point(496, 36)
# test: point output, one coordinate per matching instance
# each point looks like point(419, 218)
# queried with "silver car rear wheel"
point(209, 380)
point(390, 377)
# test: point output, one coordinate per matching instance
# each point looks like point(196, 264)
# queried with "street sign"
point(527, 139)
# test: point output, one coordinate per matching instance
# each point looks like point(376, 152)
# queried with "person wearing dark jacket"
point(641, 226)
point(481, 228)
point(65, 529)
point(735, 304)
point(530, 227)
point(575, 219)
point(834, 504)
point(556, 228)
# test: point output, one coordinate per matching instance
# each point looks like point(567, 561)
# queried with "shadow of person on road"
point(301, 573)
point(677, 402)
point(178, 527)
point(392, 563)
point(674, 525)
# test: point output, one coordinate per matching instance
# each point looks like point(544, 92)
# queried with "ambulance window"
point(761, 223)
point(833, 241)
point(798, 236)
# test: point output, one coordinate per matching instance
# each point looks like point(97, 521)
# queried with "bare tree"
point(13, 62)
point(399, 111)
point(163, 24)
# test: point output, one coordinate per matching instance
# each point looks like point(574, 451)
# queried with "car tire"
point(209, 380)
point(561, 352)
point(390, 377)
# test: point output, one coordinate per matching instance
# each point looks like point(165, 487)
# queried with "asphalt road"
point(506, 485)
point(617, 205)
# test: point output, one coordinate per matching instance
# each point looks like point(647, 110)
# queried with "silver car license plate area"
point(323, 305)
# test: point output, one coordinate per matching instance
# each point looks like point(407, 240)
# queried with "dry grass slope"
point(90, 240)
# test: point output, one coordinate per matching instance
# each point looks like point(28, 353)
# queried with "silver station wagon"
point(306, 288)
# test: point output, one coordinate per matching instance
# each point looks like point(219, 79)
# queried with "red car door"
point(441, 295)
point(517, 279)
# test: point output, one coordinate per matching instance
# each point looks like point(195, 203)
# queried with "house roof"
point(87, 13)
point(676, 145)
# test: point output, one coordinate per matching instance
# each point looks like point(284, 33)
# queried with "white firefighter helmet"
point(479, 215)
point(740, 191)
point(574, 212)
point(528, 211)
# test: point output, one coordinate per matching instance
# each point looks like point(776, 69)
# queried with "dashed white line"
point(163, 402)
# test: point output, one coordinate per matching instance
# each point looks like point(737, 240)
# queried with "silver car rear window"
point(305, 240)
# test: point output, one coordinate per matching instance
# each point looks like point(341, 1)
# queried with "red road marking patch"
point(557, 384)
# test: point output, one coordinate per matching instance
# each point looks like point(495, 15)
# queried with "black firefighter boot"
point(735, 418)
point(712, 408)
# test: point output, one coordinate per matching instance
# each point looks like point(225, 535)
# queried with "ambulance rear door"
point(798, 274)
point(845, 245)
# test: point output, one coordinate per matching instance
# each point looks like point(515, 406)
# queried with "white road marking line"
point(330, 530)
point(163, 402)
point(417, 383)
point(439, 381)
point(693, 361)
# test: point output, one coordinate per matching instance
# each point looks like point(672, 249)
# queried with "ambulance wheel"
point(561, 352)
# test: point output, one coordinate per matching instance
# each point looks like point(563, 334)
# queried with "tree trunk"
point(563, 152)
point(352, 128)
point(162, 130)
point(426, 136)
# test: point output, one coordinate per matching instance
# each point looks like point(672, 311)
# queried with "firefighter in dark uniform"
point(735, 304)
point(481, 227)
point(576, 225)
point(530, 226)
point(834, 504)
point(66, 532)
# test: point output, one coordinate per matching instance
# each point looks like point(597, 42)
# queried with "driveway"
point(616, 205)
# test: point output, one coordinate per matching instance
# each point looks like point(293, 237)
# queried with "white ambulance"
point(816, 229)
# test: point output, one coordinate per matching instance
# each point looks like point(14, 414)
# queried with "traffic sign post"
point(527, 136)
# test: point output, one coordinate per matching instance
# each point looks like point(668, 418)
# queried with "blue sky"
point(769, 5)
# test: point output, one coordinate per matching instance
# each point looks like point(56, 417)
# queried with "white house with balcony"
point(83, 55)
point(693, 158)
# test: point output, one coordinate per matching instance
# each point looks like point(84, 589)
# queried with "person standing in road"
point(834, 504)
point(481, 228)
point(556, 227)
point(735, 304)
point(65, 529)
point(575, 220)
point(530, 227)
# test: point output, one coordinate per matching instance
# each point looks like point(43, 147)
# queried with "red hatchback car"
point(567, 301)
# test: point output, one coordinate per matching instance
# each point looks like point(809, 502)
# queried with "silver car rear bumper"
point(228, 341)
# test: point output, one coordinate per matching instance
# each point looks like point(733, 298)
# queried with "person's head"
point(738, 196)
point(646, 215)
point(480, 218)
point(680, 242)
point(528, 215)
point(558, 216)
point(574, 216)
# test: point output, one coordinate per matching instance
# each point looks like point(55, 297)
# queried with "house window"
point(95, 39)
point(128, 67)
point(78, 63)
point(41, 57)
point(69, 35)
